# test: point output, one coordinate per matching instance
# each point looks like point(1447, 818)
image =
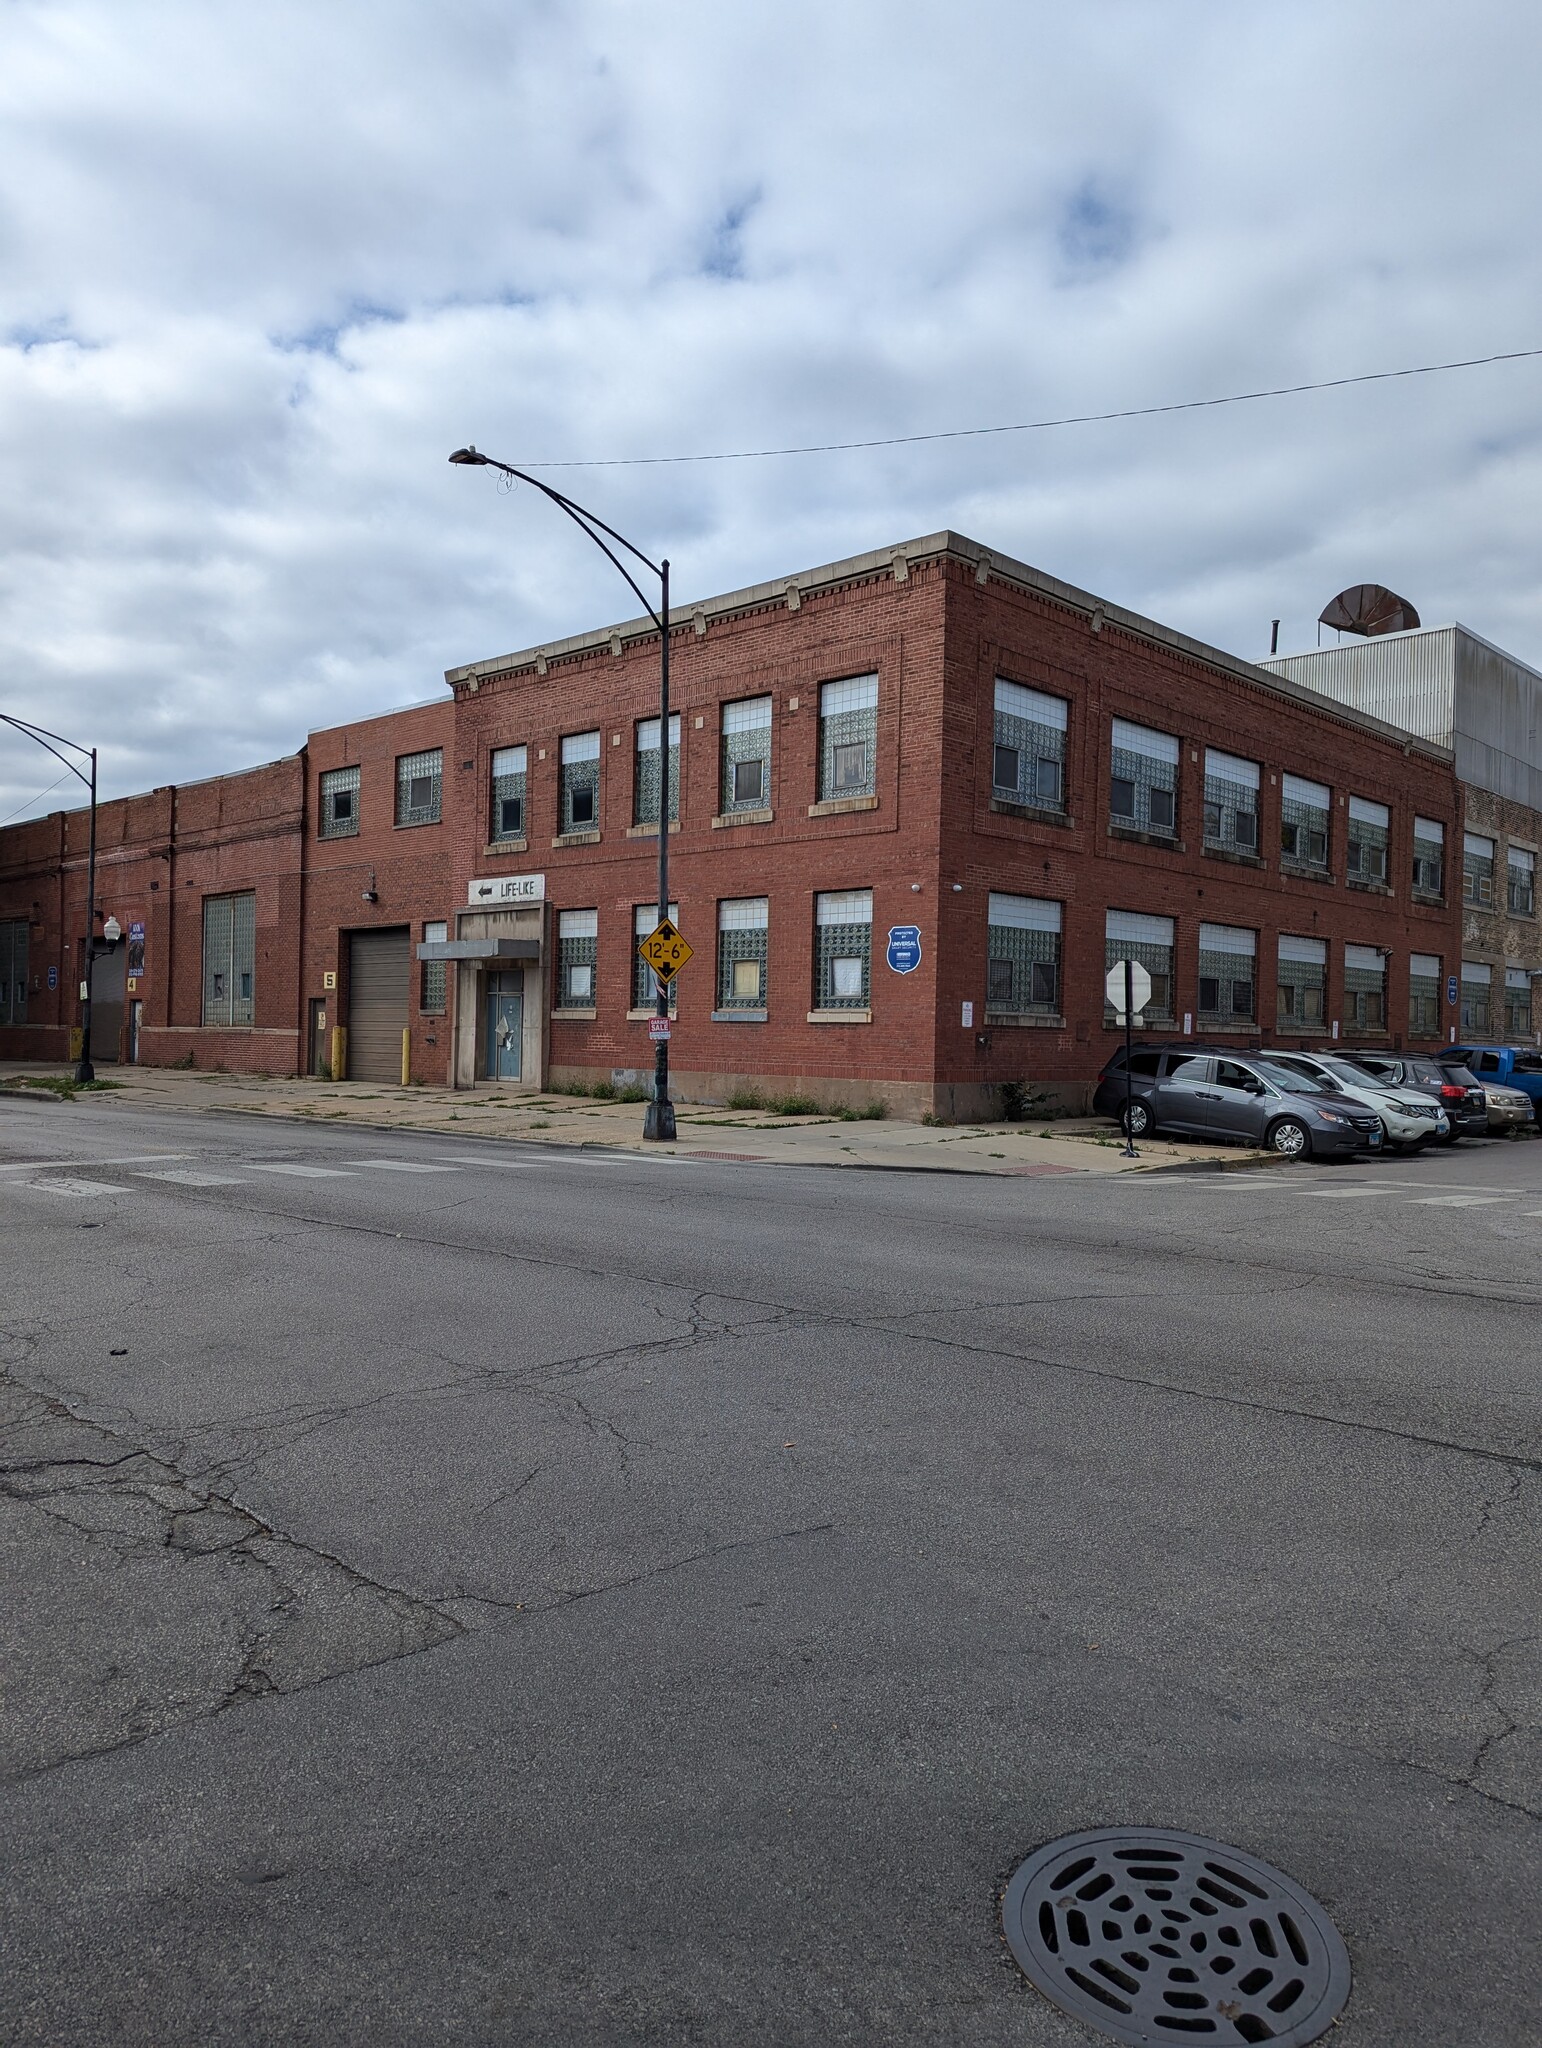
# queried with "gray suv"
point(1208, 1095)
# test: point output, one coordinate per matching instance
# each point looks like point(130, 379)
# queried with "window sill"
point(579, 839)
point(1015, 1020)
point(1033, 814)
point(324, 837)
point(834, 805)
point(575, 1016)
point(415, 824)
point(1134, 838)
point(632, 1016)
point(639, 831)
point(1300, 873)
point(1429, 898)
point(1293, 1028)
point(840, 1016)
point(1165, 1025)
point(496, 846)
point(761, 817)
point(739, 1016)
point(1238, 860)
point(1367, 888)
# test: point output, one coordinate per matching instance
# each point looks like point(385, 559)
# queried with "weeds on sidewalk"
point(65, 1086)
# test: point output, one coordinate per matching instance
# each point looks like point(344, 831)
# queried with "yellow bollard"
point(339, 1051)
point(406, 1059)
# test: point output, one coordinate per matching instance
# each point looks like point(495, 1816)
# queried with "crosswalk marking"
point(187, 1178)
point(1456, 1201)
point(400, 1166)
point(1343, 1194)
point(48, 1165)
point(300, 1172)
point(68, 1184)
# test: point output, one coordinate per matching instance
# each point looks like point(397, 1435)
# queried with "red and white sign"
point(658, 1027)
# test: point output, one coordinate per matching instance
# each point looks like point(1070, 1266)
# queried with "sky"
point(262, 266)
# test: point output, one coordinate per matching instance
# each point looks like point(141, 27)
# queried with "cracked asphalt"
point(567, 1597)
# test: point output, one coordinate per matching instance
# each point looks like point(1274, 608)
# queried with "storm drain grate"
point(1153, 1936)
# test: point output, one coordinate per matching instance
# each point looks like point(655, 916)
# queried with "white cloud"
point(263, 267)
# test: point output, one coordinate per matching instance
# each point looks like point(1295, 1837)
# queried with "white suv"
point(1410, 1121)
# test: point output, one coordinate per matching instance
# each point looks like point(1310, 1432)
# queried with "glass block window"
point(419, 787)
point(843, 944)
point(431, 994)
point(508, 793)
point(1028, 757)
point(229, 958)
point(1231, 803)
point(1365, 988)
point(1305, 808)
point(1478, 870)
point(1521, 889)
point(1424, 995)
point(1128, 935)
point(746, 756)
point(1476, 982)
point(848, 738)
point(645, 983)
point(1365, 852)
point(645, 774)
point(1022, 961)
point(577, 948)
point(14, 937)
point(1517, 1003)
point(339, 803)
point(743, 957)
point(1228, 990)
point(1301, 981)
point(1143, 791)
point(1429, 856)
point(580, 771)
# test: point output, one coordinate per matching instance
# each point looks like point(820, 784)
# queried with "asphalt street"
point(462, 1592)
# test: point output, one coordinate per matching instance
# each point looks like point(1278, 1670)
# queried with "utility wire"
point(1079, 419)
point(36, 799)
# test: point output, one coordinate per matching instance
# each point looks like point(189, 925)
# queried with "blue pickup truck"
point(1508, 1066)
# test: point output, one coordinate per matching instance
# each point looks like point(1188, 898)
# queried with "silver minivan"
point(1297, 1115)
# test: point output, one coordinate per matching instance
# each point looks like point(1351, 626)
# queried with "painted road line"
point(1457, 1201)
point(399, 1166)
point(300, 1172)
point(69, 1185)
point(49, 1165)
point(186, 1178)
point(1344, 1194)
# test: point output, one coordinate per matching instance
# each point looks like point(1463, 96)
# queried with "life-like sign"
point(904, 948)
point(665, 950)
point(508, 889)
point(1140, 987)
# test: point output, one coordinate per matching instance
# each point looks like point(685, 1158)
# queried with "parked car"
point(1512, 1066)
point(1457, 1092)
point(1509, 1109)
point(1410, 1120)
point(1223, 1095)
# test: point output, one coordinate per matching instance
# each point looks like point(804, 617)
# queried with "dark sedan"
point(1213, 1095)
point(1459, 1093)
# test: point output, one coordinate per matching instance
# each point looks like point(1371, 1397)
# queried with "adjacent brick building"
point(918, 800)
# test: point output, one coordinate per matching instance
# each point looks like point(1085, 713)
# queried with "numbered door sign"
point(665, 950)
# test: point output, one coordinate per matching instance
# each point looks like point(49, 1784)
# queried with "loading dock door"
point(378, 974)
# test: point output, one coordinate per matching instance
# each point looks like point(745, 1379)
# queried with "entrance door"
point(108, 990)
point(505, 1025)
point(319, 1060)
point(136, 1014)
point(378, 978)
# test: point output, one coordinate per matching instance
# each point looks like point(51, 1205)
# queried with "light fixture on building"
point(112, 931)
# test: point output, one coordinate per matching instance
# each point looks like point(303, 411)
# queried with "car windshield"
point(1426, 1073)
point(1346, 1070)
point(1293, 1083)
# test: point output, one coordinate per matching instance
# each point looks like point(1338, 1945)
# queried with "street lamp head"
point(467, 455)
point(112, 931)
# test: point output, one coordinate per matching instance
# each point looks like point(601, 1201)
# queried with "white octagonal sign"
point(1140, 986)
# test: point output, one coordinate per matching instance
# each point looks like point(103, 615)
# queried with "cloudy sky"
point(263, 265)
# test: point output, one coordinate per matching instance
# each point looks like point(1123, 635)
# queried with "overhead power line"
point(1078, 419)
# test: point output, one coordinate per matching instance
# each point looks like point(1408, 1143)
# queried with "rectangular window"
point(1227, 978)
point(843, 940)
point(1478, 870)
point(1022, 975)
point(419, 783)
point(229, 958)
point(848, 738)
point(1521, 889)
point(745, 772)
point(1128, 935)
point(508, 793)
point(1231, 802)
point(577, 947)
point(431, 997)
point(14, 937)
point(1028, 757)
point(1476, 981)
point(339, 803)
point(1143, 791)
point(580, 769)
point(1517, 1003)
point(1365, 988)
point(1301, 983)
point(1365, 854)
point(1429, 856)
point(645, 776)
point(645, 986)
point(1424, 995)
point(1305, 808)
point(743, 959)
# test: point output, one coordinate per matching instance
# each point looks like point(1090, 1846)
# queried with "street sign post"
point(1128, 987)
point(665, 951)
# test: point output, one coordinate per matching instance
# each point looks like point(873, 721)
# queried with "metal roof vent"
point(1368, 609)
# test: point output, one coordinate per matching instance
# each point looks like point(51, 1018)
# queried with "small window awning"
point(479, 949)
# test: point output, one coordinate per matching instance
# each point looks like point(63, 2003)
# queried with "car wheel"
point(1292, 1140)
point(1136, 1121)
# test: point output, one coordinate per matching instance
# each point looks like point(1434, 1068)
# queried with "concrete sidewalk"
point(1080, 1145)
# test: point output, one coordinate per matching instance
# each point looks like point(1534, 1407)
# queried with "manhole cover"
point(1154, 1936)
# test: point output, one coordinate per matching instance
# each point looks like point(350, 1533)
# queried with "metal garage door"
point(377, 1004)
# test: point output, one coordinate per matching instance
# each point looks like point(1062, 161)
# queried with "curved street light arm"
point(47, 739)
point(51, 742)
point(581, 516)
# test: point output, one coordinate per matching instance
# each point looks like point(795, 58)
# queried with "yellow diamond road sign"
point(665, 950)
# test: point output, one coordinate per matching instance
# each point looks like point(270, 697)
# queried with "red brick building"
point(919, 800)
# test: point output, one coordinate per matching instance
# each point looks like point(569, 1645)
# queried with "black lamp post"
point(659, 1118)
point(52, 741)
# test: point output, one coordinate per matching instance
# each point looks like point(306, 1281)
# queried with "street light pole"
point(53, 742)
point(659, 1118)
